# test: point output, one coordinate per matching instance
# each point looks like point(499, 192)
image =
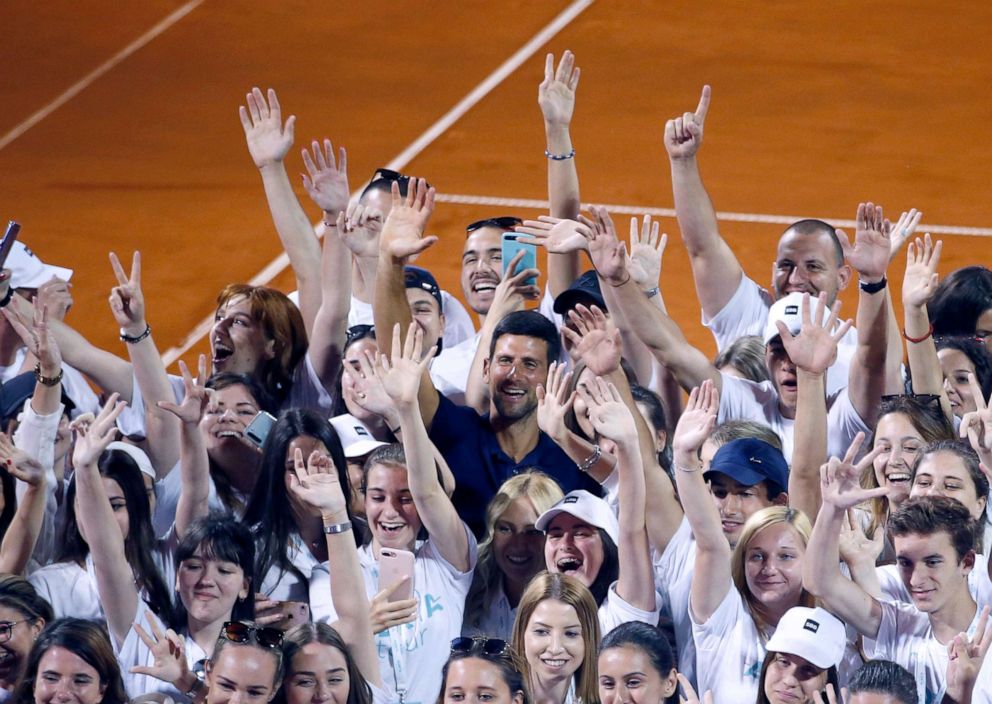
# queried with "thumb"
point(290, 126)
point(845, 243)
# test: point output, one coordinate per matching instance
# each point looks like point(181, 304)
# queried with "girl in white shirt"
point(736, 598)
point(511, 553)
point(557, 633)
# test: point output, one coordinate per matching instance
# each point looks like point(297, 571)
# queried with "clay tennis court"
point(119, 127)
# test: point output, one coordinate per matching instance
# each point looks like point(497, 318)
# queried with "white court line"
point(726, 216)
point(407, 155)
point(103, 68)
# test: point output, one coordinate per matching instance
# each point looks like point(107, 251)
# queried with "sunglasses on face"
point(479, 645)
point(239, 632)
point(507, 222)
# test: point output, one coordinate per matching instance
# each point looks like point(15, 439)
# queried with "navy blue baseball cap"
point(750, 461)
point(19, 389)
point(584, 290)
point(415, 277)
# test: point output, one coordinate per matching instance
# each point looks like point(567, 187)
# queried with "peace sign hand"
point(976, 425)
point(197, 397)
point(127, 302)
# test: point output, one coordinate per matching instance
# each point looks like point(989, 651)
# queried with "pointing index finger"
point(704, 105)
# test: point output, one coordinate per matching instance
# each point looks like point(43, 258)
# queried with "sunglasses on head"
point(359, 332)
point(240, 632)
point(479, 645)
point(506, 222)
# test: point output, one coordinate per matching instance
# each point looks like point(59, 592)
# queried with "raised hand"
point(829, 695)
point(646, 251)
point(903, 230)
point(401, 372)
point(513, 289)
point(367, 391)
point(326, 181)
point(168, 653)
point(197, 396)
point(92, 438)
point(556, 235)
point(316, 485)
point(684, 135)
point(869, 255)
point(359, 230)
point(127, 302)
point(920, 281)
point(56, 295)
point(976, 425)
point(595, 339)
point(855, 546)
point(965, 656)
point(38, 338)
point(19, 463)
point(695, 424)
point(840, 479)
point(386, 614)
point(268, 138)
point(556, 94)
point(609, 414)
point(402, 234)
point(608, 254)
point(815, 347)
point(554, 402)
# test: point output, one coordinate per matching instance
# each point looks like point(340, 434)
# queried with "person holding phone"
point(403, 495)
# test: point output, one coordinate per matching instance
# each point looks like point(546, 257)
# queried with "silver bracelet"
point(652, 292)
point(336, 528)
point(688, 470)
point(559, 157)
point(588, 463)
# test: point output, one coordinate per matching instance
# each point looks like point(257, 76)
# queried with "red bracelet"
point(918, 340)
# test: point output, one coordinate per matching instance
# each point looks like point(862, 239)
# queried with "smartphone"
point(511, 247)
point(259, 428)
point(297, 612)
point(393, 566)
point(7, 243)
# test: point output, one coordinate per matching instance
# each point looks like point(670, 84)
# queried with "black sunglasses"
point(477, 645)
point(359, 332)
point(506, 222)
point(240, 632)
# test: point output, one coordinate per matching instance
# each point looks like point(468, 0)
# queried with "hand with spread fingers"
point(608, 253)
point(904, 228)
point(695, 424)
point(646, 251)
point(814, 348)
point(403, 232)
point(684, 135)
point(20, 464)
point(554, 402)
point(402, 371)
point(840, 479)
point(92, 439)
point(359, 230)
point(595, 339)
point(919, 283)
point(609, 414)
point(965, 656)
point(197, 397)
point(556, 235)
point(268, 138)
point(316, 484)
point(326, 181)
point(168, 654)
point(869, 255)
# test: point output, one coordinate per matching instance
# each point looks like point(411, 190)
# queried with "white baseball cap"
point(815, 635)
point(356, 439)
point(137, 454)
point(788, 309)
point(591, 509)
point(28, 271)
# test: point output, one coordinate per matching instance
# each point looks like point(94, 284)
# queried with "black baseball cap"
point(584, 290)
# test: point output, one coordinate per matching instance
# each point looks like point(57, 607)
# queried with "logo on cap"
point(570, 500)
point(791, 310)
point(359, 430)
point(755, 460)
point(811, 625)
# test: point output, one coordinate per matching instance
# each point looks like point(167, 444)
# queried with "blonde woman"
point(511, 553)
point(557, 631)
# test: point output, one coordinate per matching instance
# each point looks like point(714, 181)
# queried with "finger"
point(115, 263)
point(392, 588)
point(854, 448)
point(153, 624)
point(135, 279)
point(145, 638)
point(704, 105)
point(310, 166)
point(976, 392)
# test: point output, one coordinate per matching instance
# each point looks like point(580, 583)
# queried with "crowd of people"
point(362, 495)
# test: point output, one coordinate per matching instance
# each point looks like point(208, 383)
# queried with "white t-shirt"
point(979, 584)
point(982, 693)
point(742, 399)
point(729, 652)
point(36, 435)
point(458, 325)
point(133, 652)
point(497, 620)
point(746, 313)
point(905, 637)
point(450, 369)
point(615, 610)
point(673, 578)
point(415, 652)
